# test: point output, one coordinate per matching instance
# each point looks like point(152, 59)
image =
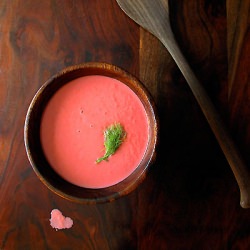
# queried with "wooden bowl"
point(33, 143)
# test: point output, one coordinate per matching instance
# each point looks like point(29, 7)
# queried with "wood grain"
point(238, 13)
point(190, 199)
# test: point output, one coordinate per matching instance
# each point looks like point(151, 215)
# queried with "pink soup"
point(72, 129)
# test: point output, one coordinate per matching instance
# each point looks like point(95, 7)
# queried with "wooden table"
point(190, 199)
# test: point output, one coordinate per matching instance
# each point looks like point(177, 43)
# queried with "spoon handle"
point(227, 145)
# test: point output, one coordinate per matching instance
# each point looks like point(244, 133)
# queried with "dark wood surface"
point(190, 200)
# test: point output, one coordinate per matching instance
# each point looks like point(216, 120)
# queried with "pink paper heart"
point(58, 221)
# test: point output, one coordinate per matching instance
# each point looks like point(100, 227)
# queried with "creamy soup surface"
point(73, 124)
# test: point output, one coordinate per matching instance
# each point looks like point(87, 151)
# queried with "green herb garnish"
point(114, 135)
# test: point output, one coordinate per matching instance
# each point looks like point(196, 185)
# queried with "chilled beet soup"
point(73, 125)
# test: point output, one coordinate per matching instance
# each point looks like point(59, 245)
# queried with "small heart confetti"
point(58, 221)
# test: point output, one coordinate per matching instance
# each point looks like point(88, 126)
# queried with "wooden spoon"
point(153, 15)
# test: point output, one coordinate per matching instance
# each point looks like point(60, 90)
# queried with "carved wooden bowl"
point(37, 157)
